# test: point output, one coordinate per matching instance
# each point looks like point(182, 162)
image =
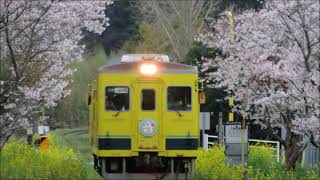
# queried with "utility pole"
point(220, 121)
point(243, 128)
point(220, 129)
point(230, 15)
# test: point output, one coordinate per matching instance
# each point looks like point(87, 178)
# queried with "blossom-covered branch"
point(39, 39)
point(272, 67)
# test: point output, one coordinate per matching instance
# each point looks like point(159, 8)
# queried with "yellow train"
point(144, 118)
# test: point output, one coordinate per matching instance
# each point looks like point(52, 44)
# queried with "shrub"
point(261, 165)
point(210, 165)
point(21, 161)
point(308, 172)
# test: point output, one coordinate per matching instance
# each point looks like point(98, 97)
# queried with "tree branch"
point(12, 54)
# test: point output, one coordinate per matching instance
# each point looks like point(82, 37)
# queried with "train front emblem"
point(148, 127)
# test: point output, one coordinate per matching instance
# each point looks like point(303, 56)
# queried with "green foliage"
point(78, 139)
point(21, 161)
point(195, 57)
point(72, 111)
point(197, 51)
point(210, 165)
point(262, 165)
point(261, 157)
point(124, 25)
point(309, 172)
point(242, 4)
point(152, 40)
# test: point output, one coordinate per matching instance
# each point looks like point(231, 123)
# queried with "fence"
point(311, 155)
point(276, 149)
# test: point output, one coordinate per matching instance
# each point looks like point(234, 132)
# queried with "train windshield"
point(117, 98)
point(179, 98)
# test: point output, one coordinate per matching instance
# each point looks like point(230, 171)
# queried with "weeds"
point(262, 165)
point(21, 161)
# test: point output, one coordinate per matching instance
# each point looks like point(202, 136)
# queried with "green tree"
point(124, 25)
point(195, 57)
point(72, 111)
point(241, 4)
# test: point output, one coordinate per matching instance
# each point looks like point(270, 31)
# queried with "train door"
point(148, 116)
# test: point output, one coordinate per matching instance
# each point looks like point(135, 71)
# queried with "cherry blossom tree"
point(273, 67)
point(39, 41)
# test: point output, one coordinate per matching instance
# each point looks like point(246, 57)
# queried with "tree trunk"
point(293, 150)
point(5, 133)
point(3, 139)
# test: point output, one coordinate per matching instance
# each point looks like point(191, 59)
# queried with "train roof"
point(116, 65)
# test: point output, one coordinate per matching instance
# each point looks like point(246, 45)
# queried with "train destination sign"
point(121, 90)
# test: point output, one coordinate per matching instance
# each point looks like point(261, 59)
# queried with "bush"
point(21, 161)
point(262, 165)
point(309, 172)
point(210, 165)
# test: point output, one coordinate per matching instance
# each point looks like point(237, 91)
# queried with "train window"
point(179, 98)
point(117, 98)
point(148, 99)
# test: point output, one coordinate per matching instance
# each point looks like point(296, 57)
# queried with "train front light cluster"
point(148, 69)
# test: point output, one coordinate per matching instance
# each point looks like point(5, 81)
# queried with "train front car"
point(144, 118)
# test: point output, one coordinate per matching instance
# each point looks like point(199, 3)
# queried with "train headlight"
point(148, 69)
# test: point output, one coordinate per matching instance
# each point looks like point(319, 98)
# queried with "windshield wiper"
point(117, 113)
point(179, 114)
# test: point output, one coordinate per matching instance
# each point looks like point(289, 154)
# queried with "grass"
point(78, 139)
